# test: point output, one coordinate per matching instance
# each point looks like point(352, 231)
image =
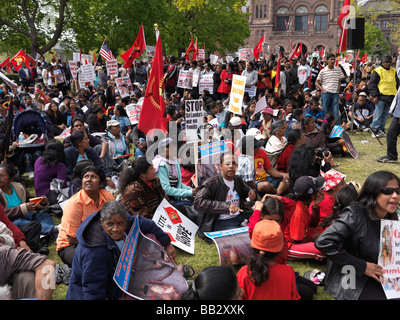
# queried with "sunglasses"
point(390, 191)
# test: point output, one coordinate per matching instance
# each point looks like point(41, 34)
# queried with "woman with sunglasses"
point(351, 243)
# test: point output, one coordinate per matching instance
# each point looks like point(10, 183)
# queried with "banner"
point(206, 83)
point(185, 79)
point(180, 229)
point(234, 245)
point(389, 257)
point(237, 92)
point(144, 270)
point(194, 117)
point(124, 86)
point(213, 148)
point(112, 67)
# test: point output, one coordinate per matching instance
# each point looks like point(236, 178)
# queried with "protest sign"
point(144, 270)
point(213, 59)
point(59, 76)
point(246, 54)
point(237, 92)
point(150, 51)
point(73, 66)
point(251, 91)
point(261, 104)
point(196, 77)
point(112, 67)
point(76, 56)
point(265, 50)
point(194, 117)
point(234, 246)
point(86, 59)
point(87, 74)
point(213, 148)
point(349, 145)
point(180, 229)
point(201, 54)
point(133, 112)
point(124, 86)
point(336, 132)
point(389, 257)
point(185, 79)
point(206, 83)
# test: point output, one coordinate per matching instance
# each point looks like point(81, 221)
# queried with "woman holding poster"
point(351, 243)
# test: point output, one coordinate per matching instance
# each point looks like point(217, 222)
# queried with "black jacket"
point(351, 241)
point(210, 201)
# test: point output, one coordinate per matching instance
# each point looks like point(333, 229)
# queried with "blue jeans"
point(44, 218)
point(31, 159)
point(330, 103)
point(381, 114)
point(232, 223)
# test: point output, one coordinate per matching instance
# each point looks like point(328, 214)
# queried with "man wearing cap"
point(363, 112)
point(118, 146)
point(307, 189)
point(221, 199)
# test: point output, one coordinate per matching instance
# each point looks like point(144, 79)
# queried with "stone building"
point(312, 22)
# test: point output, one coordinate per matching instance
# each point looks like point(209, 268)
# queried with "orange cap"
point(267, 236)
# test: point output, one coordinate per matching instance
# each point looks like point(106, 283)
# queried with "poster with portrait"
point(124, 86)
point(246, 54)
point(389, 257)
point(185, 79)
point(234, 245)
point(144, 270)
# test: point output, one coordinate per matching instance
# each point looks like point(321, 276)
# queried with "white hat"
point(255, 133)
point(112, 123)
point(235, 121)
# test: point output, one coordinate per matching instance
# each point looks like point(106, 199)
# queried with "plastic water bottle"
point(21, 137)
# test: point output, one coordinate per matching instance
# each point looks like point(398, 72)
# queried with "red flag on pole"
point(364, 58)
point(190, 54)
point(296, 53)
point(153, 108)
point(5, 63)
point(342, 24)
point(136, 50)
point(278, 75)
point(258, 48)
point(18, 59)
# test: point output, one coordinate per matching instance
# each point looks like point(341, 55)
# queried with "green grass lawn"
point(356, 170)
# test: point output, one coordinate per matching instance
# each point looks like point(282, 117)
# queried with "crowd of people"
point(277, 176)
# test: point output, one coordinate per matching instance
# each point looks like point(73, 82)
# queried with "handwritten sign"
point(237, 92)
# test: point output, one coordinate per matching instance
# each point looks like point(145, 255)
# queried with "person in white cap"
point(118, 146)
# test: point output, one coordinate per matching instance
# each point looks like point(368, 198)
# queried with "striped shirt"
point(330, 78)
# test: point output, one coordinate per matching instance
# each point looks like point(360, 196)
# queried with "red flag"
point(5, 63)
point(364, 58)
point(18, 59)
point(296, 53)
point(278, 75)
point(136, 50)
point(258, 48)
point(341, 22)
point(173, 215)
point(94, 58)
point(153, 108)
point(190, 54)
point(196, 49)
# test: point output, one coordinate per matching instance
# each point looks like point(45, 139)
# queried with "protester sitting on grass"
point(262, 278)
point(294, 139)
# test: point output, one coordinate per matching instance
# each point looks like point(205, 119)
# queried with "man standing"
point(220, 199)
point(382, 88)
point(303, 72)
point(328, 81)
point(24, 75)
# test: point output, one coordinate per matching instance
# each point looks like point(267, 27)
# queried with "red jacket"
point(17, 234)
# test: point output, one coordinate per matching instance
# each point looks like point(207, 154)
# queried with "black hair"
point(258, 266)
point(372, 188)
point(130, 174)
point(96, 170)
point(301, 163)
point(293, 136)
point(53, 153)
point(213, 283)
point(273, 206)
point(9, 169)
point(77, 136)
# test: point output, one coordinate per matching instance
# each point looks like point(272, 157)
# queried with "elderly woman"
point(141, 188)
point(353, 239)
point(80, 150)
point(89, 199)
point(101, 239)
point(277, 142)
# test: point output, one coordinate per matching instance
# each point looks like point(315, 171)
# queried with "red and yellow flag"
point(136, 50)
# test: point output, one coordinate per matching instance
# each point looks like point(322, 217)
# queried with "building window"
point(301, 19)
point(282, 19)
point(321, 22)
point(378, 24)
point(385, 24)
point(256, 12)
point(261, 12)
point(265, 11)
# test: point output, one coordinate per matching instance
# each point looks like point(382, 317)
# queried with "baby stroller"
point(39, 127)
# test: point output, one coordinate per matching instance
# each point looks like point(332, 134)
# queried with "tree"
point(34, 20)
point(374, 43)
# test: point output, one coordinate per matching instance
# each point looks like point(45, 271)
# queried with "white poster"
point(150, 51)
point(389, 257)
point(237, 92)
point(201, 55)
point(246, 54)
point(180, 229)
point(76, 56)
point(88, 73)
point(261, 104)
point(213, 59)
point(73, 66)
point(133, 112)
point(206, 83)
point(124, 86)
point(194, 117)
point(196, 77)
point(112, 67)
point(185, 79)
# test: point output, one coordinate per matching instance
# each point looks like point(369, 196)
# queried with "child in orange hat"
point(262, 279)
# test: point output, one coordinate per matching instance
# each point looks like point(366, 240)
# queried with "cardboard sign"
point(206, 83)
point(87, 74)
point(73, 66)
point(112, 67)
point(180, 228)
point(237, 92)
point(194, 117)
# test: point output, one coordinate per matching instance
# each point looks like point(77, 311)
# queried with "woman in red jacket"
point(226, 80)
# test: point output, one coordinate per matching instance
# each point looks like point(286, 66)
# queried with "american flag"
point(105, 52)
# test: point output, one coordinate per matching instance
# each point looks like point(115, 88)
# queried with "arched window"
point(321, 17)
point(282, 19)
point(301, 19)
